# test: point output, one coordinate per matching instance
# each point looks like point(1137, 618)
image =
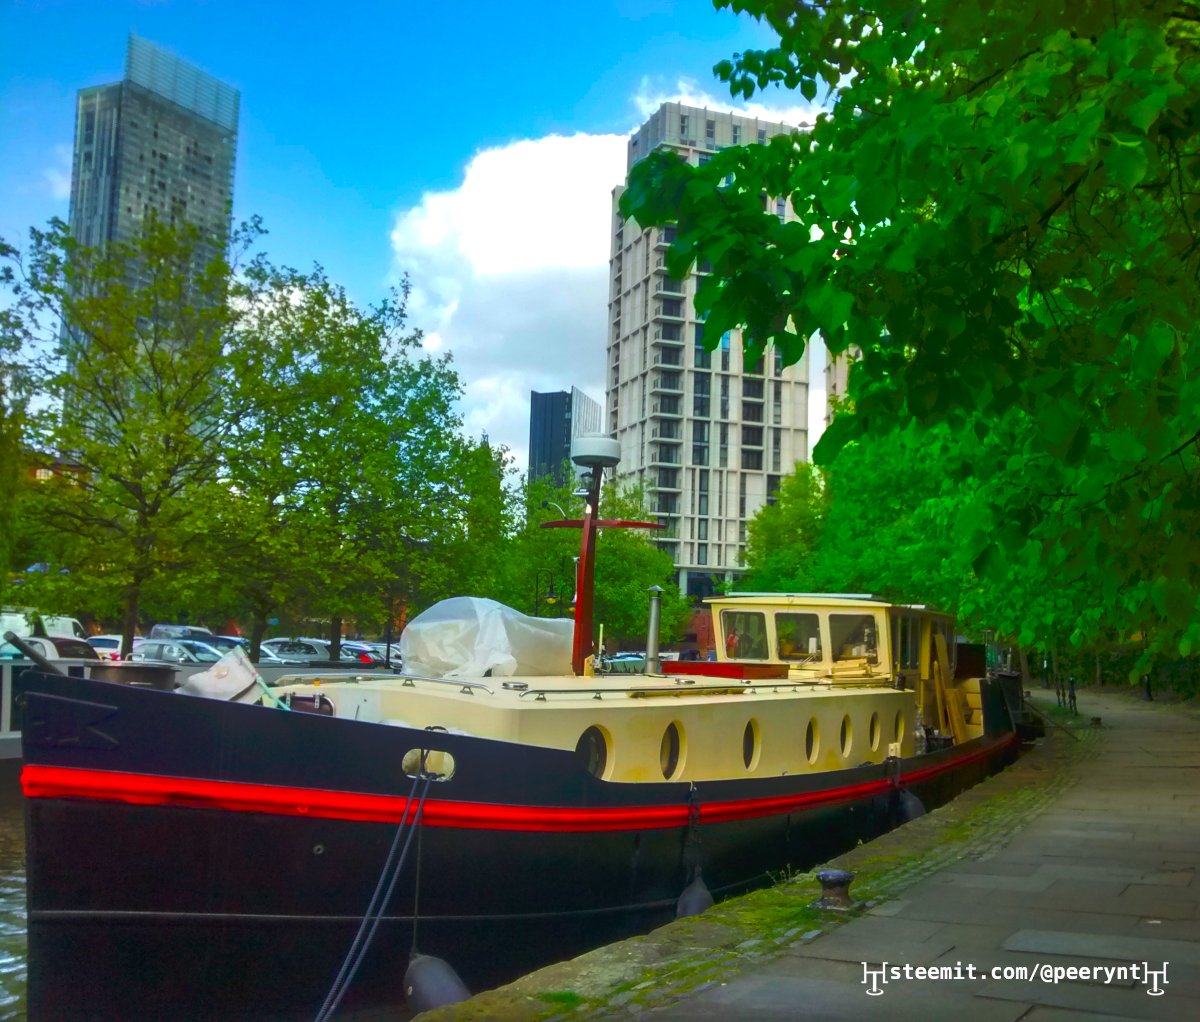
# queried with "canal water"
point(12, 907)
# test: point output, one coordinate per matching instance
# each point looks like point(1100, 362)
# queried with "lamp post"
point(550, 597)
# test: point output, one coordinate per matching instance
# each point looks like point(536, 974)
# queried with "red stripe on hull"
point(237, 796)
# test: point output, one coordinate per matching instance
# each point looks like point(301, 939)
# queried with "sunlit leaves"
point(1000, 215)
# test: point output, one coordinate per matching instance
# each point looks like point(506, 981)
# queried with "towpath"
point(1083, 856)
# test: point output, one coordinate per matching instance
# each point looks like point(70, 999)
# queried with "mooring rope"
point(379, 901)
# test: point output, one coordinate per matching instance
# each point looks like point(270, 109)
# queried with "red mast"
point(593, 453)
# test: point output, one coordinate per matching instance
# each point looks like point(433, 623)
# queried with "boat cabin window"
point(745, 634)
point(906, 629)
point(798, 637)
point(854, 637)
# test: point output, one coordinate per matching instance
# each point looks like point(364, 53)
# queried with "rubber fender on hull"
point(430, 982)
point(695, 899)
point(910, 807)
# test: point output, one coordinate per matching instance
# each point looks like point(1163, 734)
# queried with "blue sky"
point(474, 145)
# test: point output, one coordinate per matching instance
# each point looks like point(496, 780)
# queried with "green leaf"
point(1126, 166)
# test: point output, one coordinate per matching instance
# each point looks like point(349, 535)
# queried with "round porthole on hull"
point(899, 725)
point(593, 749)
point(671, 751)
point(847, 736)
point(751, 744)
point(812, 741)
point(874, 732)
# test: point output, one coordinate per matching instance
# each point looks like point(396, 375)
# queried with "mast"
point(593, 453)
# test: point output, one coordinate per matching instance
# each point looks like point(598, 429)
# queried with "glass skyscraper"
point(160, 142)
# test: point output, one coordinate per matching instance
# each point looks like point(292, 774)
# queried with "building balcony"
point(666, 383)
point(666, 409)
point(663, 336)
point(670, 357)
point(666, 237)
point(664, 313)
point(668, 286)
point(666, 435)
point(661, 455)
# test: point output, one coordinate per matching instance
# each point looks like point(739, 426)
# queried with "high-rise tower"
point(160, 142)
point(555, 419)
point(709, 436)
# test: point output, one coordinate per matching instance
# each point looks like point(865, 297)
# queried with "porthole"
point(670, 751)
point(899, 725)
point(847, 736)
point(750, 744)
point(812, 741)
point(874, 732)
point(592, 750)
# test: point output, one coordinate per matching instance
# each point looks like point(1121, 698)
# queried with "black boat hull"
point(233, 887)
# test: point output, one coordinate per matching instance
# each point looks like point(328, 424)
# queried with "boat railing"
point(682, 687)
point(407, 680)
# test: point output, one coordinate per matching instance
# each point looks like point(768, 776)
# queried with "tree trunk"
point(258, 629)
point(1023, 657)
point(129, 619)
point(335, 639)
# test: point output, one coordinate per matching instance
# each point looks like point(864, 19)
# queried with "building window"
point(683, 125)
point(777, 406)
point(762, 135)
point(752, 460)
point(700, 443)
point(702, 529)
point(737, 135)
point(752, 436)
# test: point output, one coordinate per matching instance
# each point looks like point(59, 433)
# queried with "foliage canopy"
point(998, 213)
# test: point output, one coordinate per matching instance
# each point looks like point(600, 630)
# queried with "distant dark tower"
point(554, 420)
point(162, 141)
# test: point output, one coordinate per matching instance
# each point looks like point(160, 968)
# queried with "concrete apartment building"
point(555, 419)
point(709, 436)
point(163, 141)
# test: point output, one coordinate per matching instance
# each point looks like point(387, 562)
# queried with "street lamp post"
point(550, 597)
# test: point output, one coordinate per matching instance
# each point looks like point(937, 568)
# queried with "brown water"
point(12, 906)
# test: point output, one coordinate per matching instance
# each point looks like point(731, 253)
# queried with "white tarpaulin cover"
point(466, 637)
point(231, 677)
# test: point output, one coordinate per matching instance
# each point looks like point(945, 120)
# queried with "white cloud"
point(510, 269)
point(57, 177)
point(509, 273)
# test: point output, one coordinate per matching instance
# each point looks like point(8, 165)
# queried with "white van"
point(24, 621)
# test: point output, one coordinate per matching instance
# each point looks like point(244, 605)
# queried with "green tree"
point(347, 453)
point(998, 210)
point(132, 338)
point(627, 563)
point(783, 536)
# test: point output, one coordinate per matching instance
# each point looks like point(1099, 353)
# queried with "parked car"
point(222, 642)
point(381, 652)
point(52, 647)
point(176, 651)
point(311, 650)
point(364, 651)
point(179, 632)
point(109, 646)
point(27, 621)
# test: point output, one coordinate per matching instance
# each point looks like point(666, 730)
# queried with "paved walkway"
point(1106, 876)
point(1083, 855)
